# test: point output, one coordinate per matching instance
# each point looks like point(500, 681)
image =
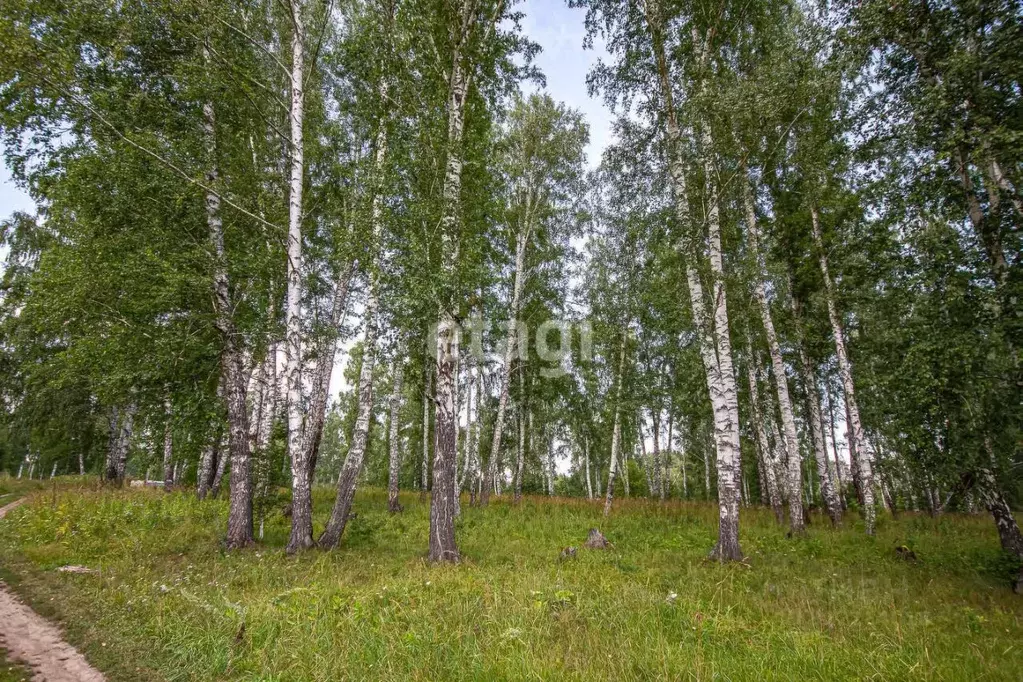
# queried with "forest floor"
point(37, 646)
point(166, 601)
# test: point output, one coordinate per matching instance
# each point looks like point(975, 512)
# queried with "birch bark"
point(124, 439)
point(768, 467)
point(509, 355)
point(394, 465)
point(113, 439)
point(715, 346)
point(352, 467)
point(616, 430)
point(551, 466)
point(205, 472)
point(659, 480)
point(427, 398)
point(1008, 529)
point(168, 447)
point(520, 456)
point(645, 457)
point(820, 444)
point(863, 467)
point(442, 503)
point(589, 480)
point(239, 519)
point(316, 417)
point(794, 482)
point(301, 494)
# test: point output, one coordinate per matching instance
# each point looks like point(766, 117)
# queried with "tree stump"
point(596, 540)
point(906, 553)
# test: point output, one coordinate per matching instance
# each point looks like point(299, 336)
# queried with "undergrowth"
point(169, 603)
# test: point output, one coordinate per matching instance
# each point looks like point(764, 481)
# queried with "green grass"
point(12, 672)
point(169, 603)
point(12, 488)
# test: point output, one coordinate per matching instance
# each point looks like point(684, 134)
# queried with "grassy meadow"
point(167, 603)
point(11, 671)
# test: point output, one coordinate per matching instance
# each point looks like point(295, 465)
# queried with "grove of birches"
point(792, 279)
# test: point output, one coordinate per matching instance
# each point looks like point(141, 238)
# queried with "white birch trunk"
point(423, 485)
point(394, 464)
point(645, 458)
point(715, 346)
point(667, 454)
point(113, 438)
point(301, 496)
point(589, 480)
point(767, 466)
point(352, 467)
point(520, 457)
point(828, 492)
point(661, 481)
point(551, 467)
point(509, 356)
point(857, 450)
point(794, 480)
point(316, 417)
point(616, 432)
point(442, 504)
point(239, 520)
point(124, 439)
point(168, 447)
point(726, 408)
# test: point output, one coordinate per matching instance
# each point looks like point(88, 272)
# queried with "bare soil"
point(37, 643)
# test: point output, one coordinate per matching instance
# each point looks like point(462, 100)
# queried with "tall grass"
point(169, 603)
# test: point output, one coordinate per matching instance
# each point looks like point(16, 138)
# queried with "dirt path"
point(29, 638)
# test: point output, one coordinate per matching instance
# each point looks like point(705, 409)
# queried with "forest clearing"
point(168, 602)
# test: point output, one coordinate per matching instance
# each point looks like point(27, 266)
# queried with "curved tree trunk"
point(317, 414)
point(509, 356)
point(794, 482)
point(352, 467)
point(357, 452)
point(1005, 521)
point(863, 468)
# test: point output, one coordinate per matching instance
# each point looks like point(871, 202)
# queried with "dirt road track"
point(32, 640)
